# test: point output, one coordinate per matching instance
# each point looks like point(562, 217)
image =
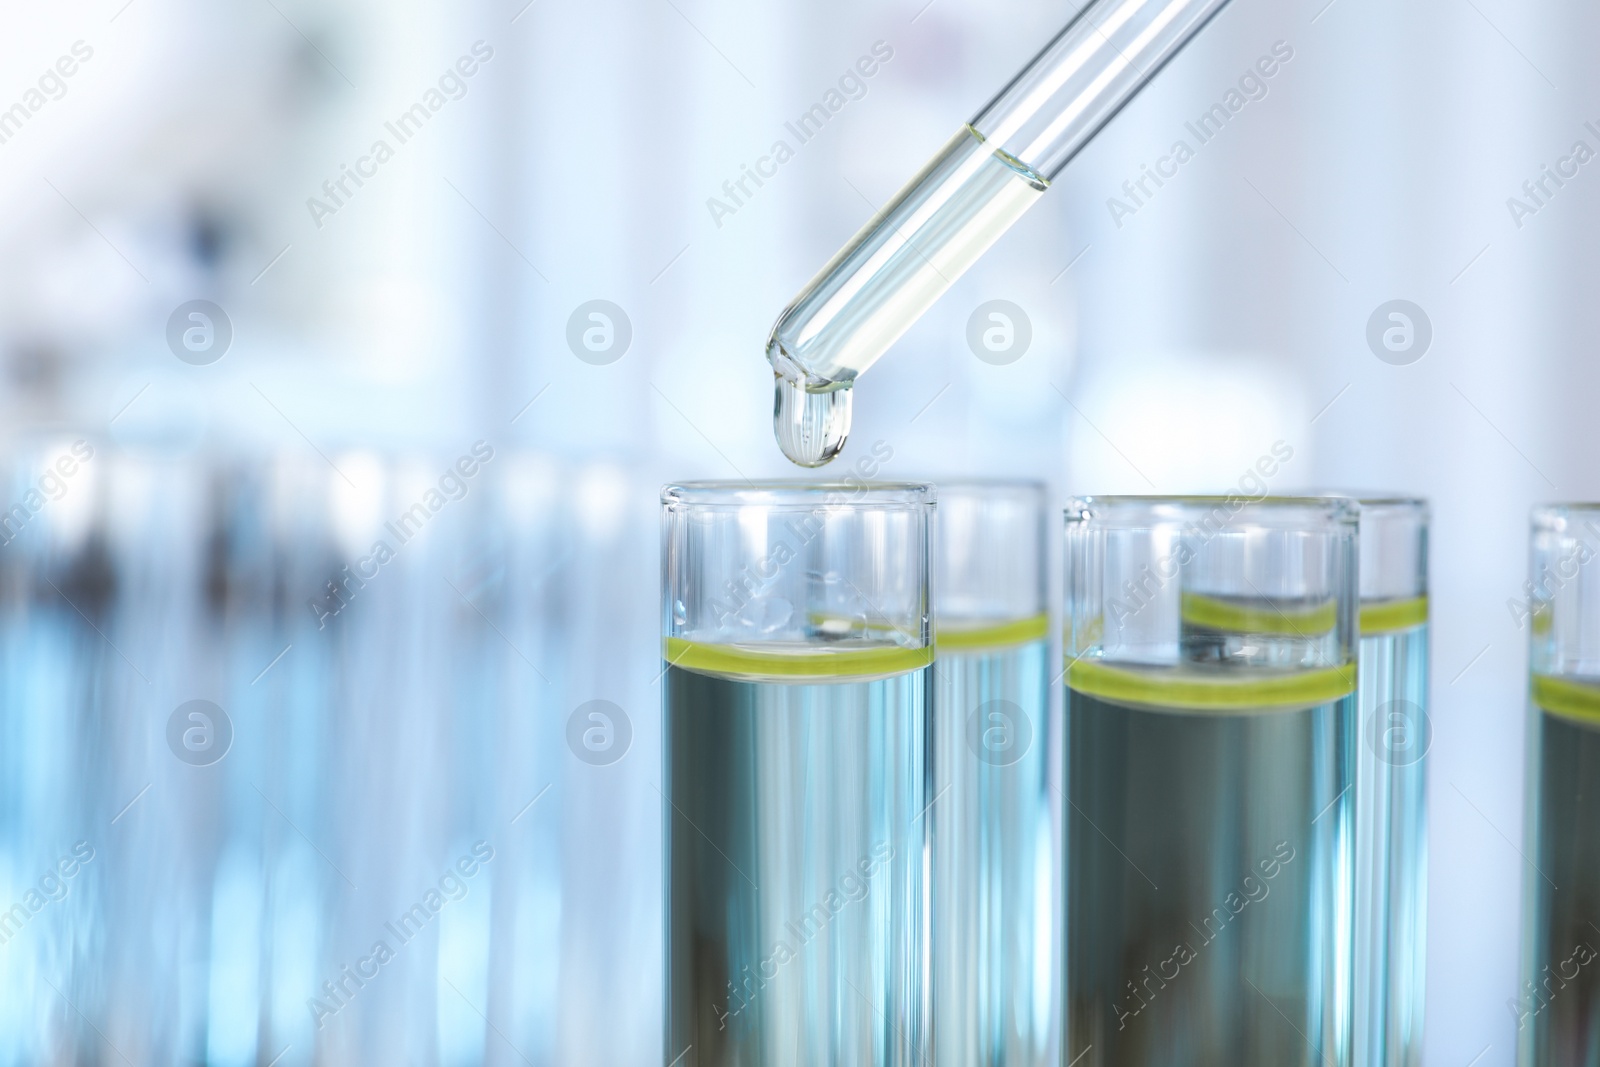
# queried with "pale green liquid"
point(1191, 941)
point(796, 880)
point(992, 889)
point(1558, 1006)
point(1391, 837)
point(880, 283)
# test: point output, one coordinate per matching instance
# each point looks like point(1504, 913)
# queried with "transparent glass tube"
point(1211, 679)
point(972, 191)
point(1391, 783)
point(992, 890)
point(1556, 1005)
point(798, 651)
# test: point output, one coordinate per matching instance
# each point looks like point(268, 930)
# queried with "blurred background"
point(283, 282)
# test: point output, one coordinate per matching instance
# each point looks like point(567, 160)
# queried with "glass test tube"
point(1391, 783)
point(1558, 1005)
point(1210, 725)
point(798, 652)
point(992, 892)
point(972, 191)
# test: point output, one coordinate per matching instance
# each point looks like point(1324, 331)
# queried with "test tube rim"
point(1031, 490)
point(1118, 510)
point(1378, 499)
point(1029, 484)
point(780, 493)
point(1554, 518)
point(1382, 512)
point(1031, 493)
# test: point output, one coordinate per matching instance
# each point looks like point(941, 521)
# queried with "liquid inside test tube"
point(1391, 830)
point(1201, 802)
point(995, 986)
point(798, 870)
point(1558, 1002)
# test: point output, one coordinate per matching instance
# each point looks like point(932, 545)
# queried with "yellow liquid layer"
point(959, 638)
point(794, 662)
point(1389, 616)
point(1186, 689)
point(1214, 614)
point(1570, 700)
point(1543, 619)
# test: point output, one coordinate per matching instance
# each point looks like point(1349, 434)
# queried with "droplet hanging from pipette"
point(883, 281)
point(970, 193)
point(811, 427)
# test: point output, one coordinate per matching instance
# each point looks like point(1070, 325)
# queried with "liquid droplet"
point(811, 427)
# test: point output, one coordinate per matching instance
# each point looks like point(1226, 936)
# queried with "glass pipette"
point(969, 193)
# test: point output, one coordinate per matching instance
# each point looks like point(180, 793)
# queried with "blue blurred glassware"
point(60, 584)
point(994, 986)
point(223, 905)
